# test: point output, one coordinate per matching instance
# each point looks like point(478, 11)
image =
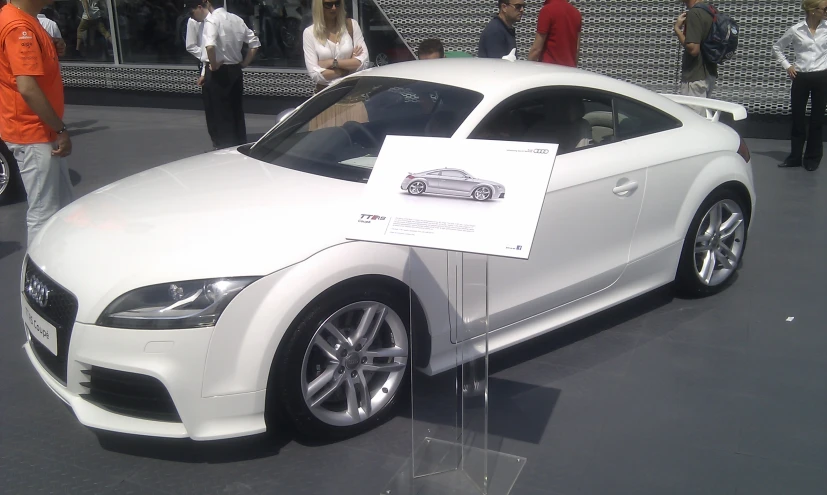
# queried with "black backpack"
point(722, 40)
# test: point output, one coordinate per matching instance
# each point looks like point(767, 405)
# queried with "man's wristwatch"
point(335, 63)
point(62, 130)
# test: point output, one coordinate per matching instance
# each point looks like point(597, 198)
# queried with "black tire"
point(13, 190)
point(688, 282)
point(424, 188)
point(483, 188)
point(285, 398)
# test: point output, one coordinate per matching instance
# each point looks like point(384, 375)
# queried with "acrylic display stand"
point(450, 452)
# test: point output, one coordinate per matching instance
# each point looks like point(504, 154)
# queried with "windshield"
point(339, 132)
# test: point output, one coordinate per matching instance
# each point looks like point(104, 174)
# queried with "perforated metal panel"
point(180, 79)
point(631, 40)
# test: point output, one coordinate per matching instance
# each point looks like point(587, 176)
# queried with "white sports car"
point(206, 297)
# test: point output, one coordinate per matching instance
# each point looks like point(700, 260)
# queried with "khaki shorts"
point(94, 23)
point(701, 89)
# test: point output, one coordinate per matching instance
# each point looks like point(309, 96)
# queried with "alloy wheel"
point(5, 174)
point(416, 188)
point(354, 363)
point(482, 193)
point(719, 242)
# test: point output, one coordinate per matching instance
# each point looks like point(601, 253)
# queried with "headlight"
point(190, 304)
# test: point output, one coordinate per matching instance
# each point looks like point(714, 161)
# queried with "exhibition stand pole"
point(450, 452)
point(445, 223)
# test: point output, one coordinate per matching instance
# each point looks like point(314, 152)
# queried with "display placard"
point(465, 195)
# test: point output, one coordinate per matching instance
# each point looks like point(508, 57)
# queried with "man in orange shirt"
point(31, 110)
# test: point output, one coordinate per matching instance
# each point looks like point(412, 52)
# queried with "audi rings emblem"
point(37, 291)
point(540, 151)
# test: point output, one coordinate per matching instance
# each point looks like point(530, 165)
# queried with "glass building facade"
point(153, 32)
point(139, 44)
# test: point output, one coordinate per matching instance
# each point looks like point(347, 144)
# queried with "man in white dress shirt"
point(223, 35)
point(51, 27)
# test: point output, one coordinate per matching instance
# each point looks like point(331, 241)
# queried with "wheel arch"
point(418, 322)
point(250, 331)
point(418, 318)
point(723, 172)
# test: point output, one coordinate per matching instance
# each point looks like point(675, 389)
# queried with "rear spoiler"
point(712, 107)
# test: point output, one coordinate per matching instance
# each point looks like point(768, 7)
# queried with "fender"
point(723, 170)
point(272, 303)
point(663, 223)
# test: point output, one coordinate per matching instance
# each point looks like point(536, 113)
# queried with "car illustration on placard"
point(452, 182)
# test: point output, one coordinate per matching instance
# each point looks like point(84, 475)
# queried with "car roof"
point(483, 75)
point(443, 169)
point(498, 79)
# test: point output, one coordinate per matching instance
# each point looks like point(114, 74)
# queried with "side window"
point(570, 118)
point(635, 119)
point(452, 173)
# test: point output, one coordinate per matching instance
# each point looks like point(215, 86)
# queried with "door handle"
point(625, 187)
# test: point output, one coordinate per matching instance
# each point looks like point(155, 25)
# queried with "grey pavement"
point(721, 395)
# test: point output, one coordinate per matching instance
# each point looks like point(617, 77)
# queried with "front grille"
point(60, 310)
point(129, 394)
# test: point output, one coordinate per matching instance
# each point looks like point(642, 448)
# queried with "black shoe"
point(789, 163)
point(811, 166)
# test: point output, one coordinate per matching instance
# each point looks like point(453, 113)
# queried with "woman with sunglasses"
point(333, 45)
point(809, 74)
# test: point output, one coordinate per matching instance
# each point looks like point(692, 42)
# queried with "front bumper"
point(176, 359)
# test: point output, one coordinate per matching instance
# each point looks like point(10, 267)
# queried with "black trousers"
point(808, 86)
point(222, 91)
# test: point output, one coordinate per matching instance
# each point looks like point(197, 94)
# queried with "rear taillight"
point(743, 150)
point(408, 177)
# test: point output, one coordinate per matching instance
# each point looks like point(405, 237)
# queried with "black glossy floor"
point(722, 395)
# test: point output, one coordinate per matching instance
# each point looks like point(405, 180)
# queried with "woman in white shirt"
point(333, 45)
point(809, 74)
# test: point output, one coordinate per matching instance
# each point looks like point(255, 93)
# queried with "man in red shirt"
point(31, 110)
point(558, 34)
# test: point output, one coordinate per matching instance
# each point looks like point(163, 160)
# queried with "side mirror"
point(284, 114)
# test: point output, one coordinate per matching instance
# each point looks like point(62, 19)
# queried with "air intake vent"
point(129, 394)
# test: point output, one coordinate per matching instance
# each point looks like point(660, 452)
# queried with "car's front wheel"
point(344, 363)
point(714, 245)
point(482, 193)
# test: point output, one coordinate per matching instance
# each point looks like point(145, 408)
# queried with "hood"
point(221, 214)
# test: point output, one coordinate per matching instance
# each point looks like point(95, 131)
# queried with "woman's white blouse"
point(810, 49)
point(343, 50)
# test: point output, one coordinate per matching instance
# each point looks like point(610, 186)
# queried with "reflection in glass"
point(279, 25)
point(385, 46)
point(152, 32)
point(339, 132)
point(84, 25)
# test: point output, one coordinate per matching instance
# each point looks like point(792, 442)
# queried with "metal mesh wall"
point(631, 40)
point(180, 79)
point(628, 39)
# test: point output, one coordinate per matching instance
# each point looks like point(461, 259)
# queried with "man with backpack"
point(708, 38)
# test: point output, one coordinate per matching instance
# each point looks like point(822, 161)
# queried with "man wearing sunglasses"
point(499, 37)
point(557, 40)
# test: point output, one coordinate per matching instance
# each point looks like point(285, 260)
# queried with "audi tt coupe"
point(206, 297)
point(452, 182)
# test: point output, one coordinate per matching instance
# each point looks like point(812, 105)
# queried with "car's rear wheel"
point(416, 188)
point(714, 245)
point(344, 364)
point(10, 183)
point(482, 193)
